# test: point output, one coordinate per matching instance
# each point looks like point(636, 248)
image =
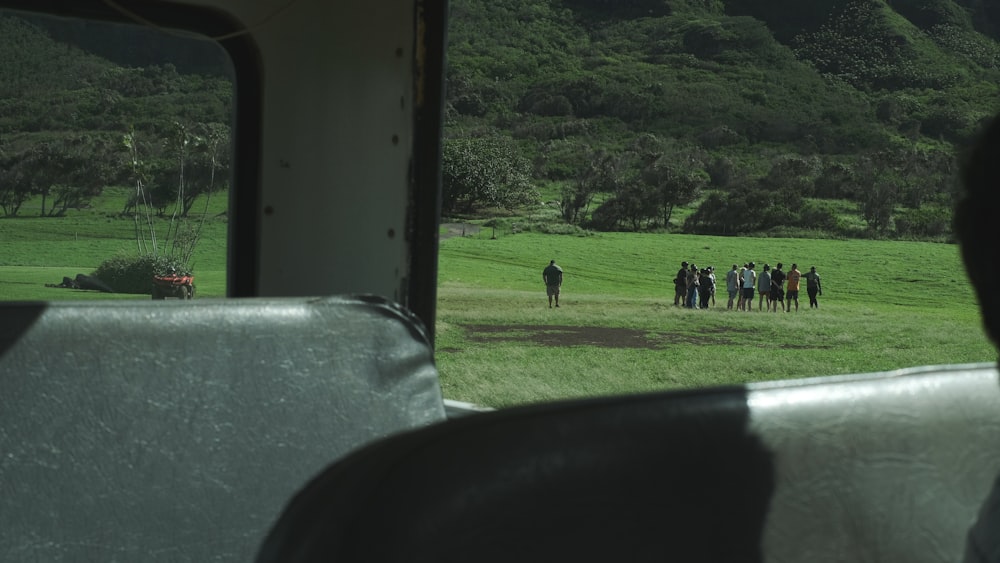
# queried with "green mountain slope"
point(870, 85)
point(515, 61)
point(73, 123)
point(47, 87)
point(24, 49)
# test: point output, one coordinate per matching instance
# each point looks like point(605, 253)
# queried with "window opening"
point(116, 160)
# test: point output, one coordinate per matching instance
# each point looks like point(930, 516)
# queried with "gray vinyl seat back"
point(888, 467)
point(177, 431)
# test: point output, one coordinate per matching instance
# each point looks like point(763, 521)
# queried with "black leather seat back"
point(887, 467)
point(600, 480)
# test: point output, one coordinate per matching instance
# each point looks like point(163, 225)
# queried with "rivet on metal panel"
point(395, 139)
point(268, 210)
point(392, 233)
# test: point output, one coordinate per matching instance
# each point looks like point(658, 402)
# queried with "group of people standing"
point(695, 288)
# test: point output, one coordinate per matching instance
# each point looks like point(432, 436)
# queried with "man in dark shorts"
point(749, 282)
point(778, 287)
point(792, 294)
point(552, 275)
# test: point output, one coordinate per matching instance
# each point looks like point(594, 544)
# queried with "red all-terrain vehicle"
point(173, 285)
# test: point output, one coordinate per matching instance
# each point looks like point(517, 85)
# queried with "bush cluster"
point(134, 274)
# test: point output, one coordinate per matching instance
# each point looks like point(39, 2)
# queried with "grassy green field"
point(35, 251)
point(886, 305)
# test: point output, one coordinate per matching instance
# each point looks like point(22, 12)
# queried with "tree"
point(793, 173)
point(721, 213)
point(628, 208)
point(70, 171)
point(42, 167)
point(193, 162)
point(909, 176)
point(652, 177)
point(171, 174)
point(89, 163)
point(833, 181)
point(923, 173)
point(575, 198)
point(15, 185)
point(646, 182)
point(673, 181)
point(479, 172)
point(877, 192)
point(613, 173)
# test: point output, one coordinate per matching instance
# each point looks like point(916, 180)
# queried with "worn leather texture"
point(983, 545)
point(177, 431)
point(663, 477)
point(888, 467)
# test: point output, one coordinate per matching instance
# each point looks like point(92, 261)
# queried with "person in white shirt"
point(749, 282)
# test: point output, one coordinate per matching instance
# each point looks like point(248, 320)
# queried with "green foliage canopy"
point(750, 83)
point(484, 172)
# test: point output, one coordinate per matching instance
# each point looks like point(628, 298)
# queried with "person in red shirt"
point(792, 291)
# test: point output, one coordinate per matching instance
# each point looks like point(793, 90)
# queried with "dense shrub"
point(134, 274)
point(928, 221)
point(819, 217)
point(719, 136)
point(545, 103)
point(947, 123)
point(554, 228)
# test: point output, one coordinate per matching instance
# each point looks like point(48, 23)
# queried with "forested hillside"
point(761, 115)
point(827, 117)
point(72, 123)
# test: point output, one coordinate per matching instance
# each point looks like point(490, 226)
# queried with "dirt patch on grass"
point(458, 230)
point(604, 337)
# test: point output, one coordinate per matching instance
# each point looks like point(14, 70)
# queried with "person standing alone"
point(553, 277)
